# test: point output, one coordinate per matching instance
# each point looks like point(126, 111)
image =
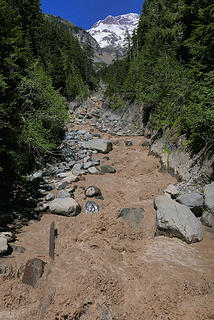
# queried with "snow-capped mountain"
point(111, 32)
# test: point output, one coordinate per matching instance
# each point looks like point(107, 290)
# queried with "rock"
point(8, 235)
point(177, 220)
point(18, 249)
point(70, 177)
point(62, 194)
point(172, 190)
point(97, 135)
point(93, 170)
point(41, 207)
point(91, 206)
point(132, 216)
point(192, 200)
point(49, 197)
point(38, 174)
point(93, 191)
point(66, 207)
point(106, 158)
point(146, 143)
point(128, 143)
point(34, 270)
point(209, 197)
point(77, 166)
point(116, 143)
point(3, 245)
point(107, 169)
point(100, 145)
point(88, 165)
point(207, 219)
point(60, 186)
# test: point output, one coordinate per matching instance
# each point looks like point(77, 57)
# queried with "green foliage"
point(40, 61)
point(169, 68)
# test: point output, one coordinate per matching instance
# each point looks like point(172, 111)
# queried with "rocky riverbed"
point(97, 248)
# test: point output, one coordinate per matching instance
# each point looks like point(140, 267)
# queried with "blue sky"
point(84, 13)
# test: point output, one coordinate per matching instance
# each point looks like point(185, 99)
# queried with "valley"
point(106, 266)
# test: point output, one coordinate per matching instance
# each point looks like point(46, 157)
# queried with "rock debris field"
point(114, 237)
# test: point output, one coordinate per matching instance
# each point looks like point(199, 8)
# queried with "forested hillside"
point(169, 69)
point(41, 65)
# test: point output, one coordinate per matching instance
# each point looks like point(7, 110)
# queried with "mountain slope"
point(111, 32)
point(84, 38)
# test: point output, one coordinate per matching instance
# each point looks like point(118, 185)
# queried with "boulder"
point(176, 220)
point(49, 197)
point(62, 194)
point(207, 219)
point(132, 216)
point(209, 197)
point(3, 245)
point(192, 200)
point(65, 207)
point(93, 170)
point(107, 169)
point(34, 270)
point(93, 191)
point(70, 177)
point(100, 145)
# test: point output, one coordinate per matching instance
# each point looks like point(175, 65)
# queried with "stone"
point(49, 197)
point(18, 249)
point(128, 143)
point(107, 169)
point(100, 145)
point(106, 158)
point(93, 170)
point(192, 200)
point(88, 165)
point(146, 143)
point(8, 235)
point(93, 191)
point(132, 216)
point(172, 190)
point(209, 197)
point(3, 245)
point(91, 206)
point(38, 174)
point(65, 207)
point(77, 166)
point(176, 220)
point(60, 186)
point(207, 219)
point(70, 177)
point(34, 270)
point(116, 143)
point(62, 194)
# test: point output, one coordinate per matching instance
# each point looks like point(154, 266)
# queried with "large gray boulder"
point(65, 207)
point(192, 200)
point(100, 145)
point(177, 220)
point(209, 197)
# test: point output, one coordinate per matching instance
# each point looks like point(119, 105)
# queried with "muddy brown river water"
point(103, 268)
